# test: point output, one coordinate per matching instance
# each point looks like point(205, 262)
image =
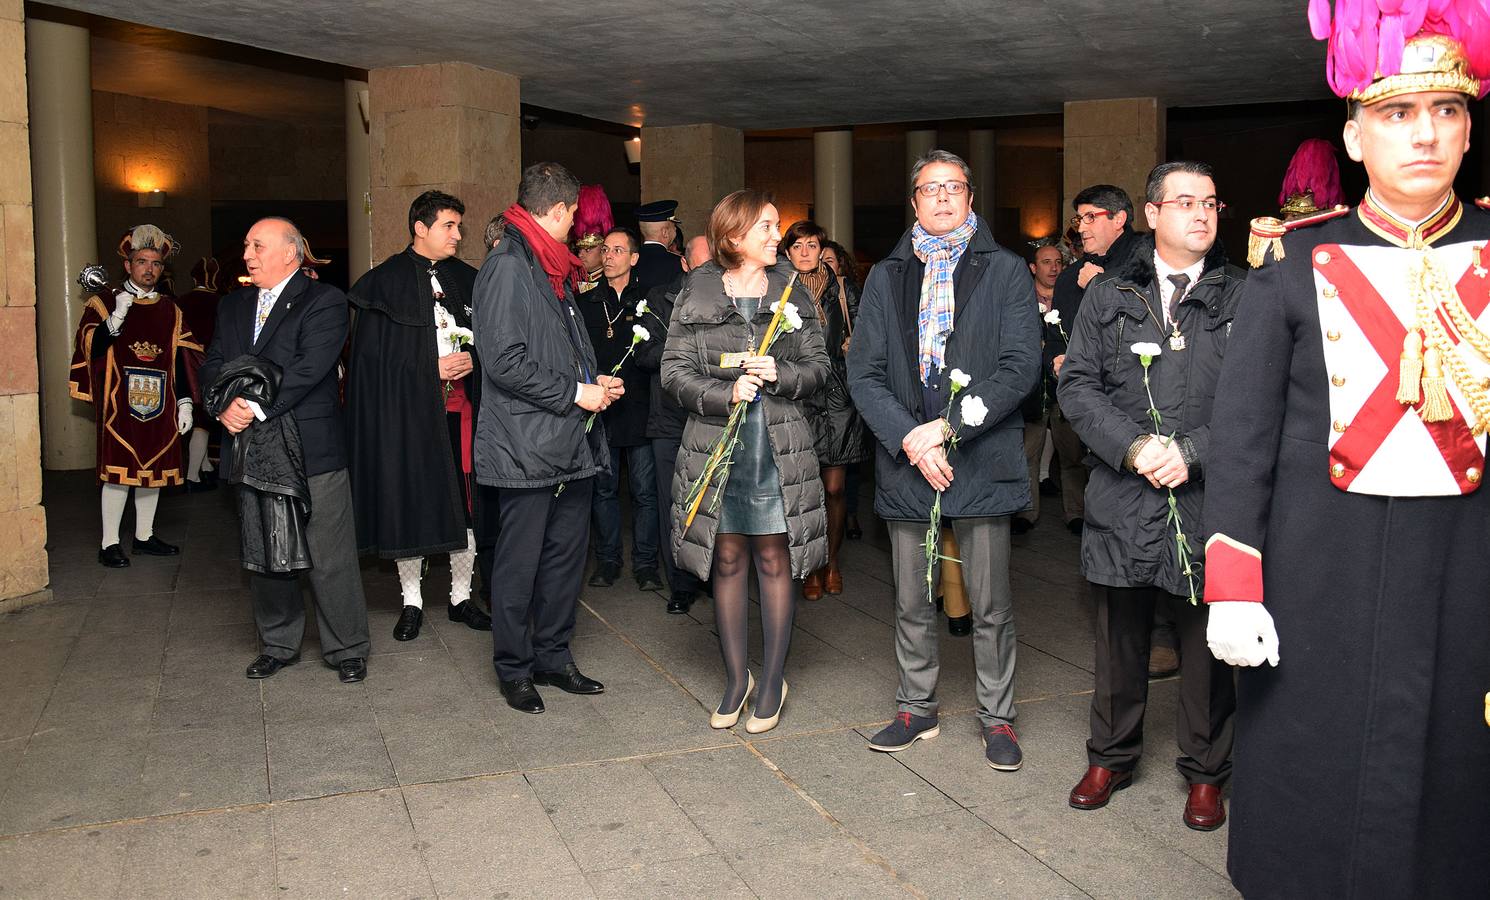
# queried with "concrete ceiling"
point(773, 65)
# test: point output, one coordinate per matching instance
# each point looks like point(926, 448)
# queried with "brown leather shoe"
point(1163, 662)
point(1096, 786)
point(833, 582)
point(1205, 810)
point(812, 588)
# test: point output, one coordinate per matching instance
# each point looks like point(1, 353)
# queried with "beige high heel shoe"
point(727, 720)
point(756, 726)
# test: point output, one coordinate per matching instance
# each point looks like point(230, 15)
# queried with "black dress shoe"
point(605, 574)
point(201, 487)
point(351, 670)
point(1021, 526)
point(680, 602)
point(408, 624)
point(266, 665)
point(853, 532)
point(570, 681)
point(648, 580)
point(1076, 525)
point(113, 557)
point(155, 547)
point(960, 626)
point(468, 613)
point(521, 695)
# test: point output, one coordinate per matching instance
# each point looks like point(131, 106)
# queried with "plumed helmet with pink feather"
point(1386, 48)
point(593, 219)
point(1312, 182)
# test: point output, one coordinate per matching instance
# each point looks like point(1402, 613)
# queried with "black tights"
point(833, 484)
point(773, 569)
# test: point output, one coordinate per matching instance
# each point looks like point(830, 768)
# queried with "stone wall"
point(23, 524)
point(257, 160)
point(1113, 142)
point(141, 144)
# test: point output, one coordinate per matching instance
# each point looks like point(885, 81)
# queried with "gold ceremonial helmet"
point(589, 241)
point(1430, 62)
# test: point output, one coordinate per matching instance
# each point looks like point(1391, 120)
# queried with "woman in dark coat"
point(769, 504)
point(841, 437)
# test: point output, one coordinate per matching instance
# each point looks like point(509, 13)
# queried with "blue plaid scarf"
point(940, 253)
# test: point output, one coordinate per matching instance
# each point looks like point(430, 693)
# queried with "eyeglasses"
point(1088, 218)
point(1187, 204)
point(953, 188)
point(616, 251)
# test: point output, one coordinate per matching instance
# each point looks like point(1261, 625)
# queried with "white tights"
point(114, 498)
point(462, 567)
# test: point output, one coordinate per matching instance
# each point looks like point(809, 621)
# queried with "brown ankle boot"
point(812, 588)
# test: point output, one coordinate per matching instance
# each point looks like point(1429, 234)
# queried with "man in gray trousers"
point(949, 298)
point(300, 325)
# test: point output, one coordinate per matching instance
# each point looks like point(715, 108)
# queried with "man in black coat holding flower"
point(948, 298)
point(1149, 339)
point(411, 412)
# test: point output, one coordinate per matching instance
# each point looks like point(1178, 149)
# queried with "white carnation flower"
point(793, 318)
point(642, 309)
point(974, 410)
point(639, 333)
point(1053, 317)
point(1146, 349)
point(960, 379)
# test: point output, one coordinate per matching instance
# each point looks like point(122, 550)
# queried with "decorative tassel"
point(1265, 234)
point(1436, 405)
point(1410, 368)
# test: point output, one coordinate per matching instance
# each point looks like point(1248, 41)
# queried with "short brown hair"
point(803, 229)
point(729, 221)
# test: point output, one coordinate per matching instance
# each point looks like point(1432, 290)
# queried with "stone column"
point(23, 523)
point(833, 183)
point(452, 127)
point(61, 146)
point(697, 165)
point(918, 143)
point(981, 153)
point(359, 180)
point(1113, 142)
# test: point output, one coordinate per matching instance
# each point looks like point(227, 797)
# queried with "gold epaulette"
point(1482, 202)
point(1267, 233)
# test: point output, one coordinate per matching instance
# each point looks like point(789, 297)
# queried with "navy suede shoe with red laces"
point(1001, 748)
point(904, 731)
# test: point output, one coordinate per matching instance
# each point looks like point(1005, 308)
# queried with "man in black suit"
point(300, 325)
point(656, 264)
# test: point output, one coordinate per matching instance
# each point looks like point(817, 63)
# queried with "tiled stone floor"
point(137, 761)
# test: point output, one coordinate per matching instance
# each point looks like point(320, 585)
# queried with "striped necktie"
point(266, 303)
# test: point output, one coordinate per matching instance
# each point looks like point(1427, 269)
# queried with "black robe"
point(409, 494)
point(1362, 761)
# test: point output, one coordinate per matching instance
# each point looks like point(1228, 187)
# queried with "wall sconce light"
point(151, 199)
point(634, 151)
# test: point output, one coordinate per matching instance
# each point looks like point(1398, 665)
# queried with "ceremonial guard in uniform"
point(592, 222)
point(656, 264)
point(1349, 519)
point(130, 360)
point(199, 311)
point(411, 412)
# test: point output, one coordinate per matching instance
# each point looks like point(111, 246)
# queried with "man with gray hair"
point(948, 298)
point(299, 325)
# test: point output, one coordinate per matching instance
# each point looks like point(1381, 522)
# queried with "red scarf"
point(560, 265)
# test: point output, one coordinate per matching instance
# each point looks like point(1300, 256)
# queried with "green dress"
point(752, 497)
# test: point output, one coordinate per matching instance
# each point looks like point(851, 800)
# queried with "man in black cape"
point(411, 412)
point(1348, 507)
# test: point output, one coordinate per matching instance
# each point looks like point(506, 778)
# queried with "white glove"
point(1241, 633)
point(122, 302)
point(183, 416)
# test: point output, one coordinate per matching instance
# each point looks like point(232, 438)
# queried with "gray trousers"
point(984, 545)
point(336, 581)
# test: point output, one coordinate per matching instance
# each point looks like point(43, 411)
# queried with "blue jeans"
point(606, 510)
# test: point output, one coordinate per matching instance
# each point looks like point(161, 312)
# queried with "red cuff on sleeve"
point(1233, 571)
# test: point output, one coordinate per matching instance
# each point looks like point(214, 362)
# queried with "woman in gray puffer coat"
point(769, 505)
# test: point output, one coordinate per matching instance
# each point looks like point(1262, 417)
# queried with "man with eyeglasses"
point(609, 312)
point(1178, 292)
point(1104, 222)
point(947, 298)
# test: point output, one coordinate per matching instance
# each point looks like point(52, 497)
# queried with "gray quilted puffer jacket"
point(705, 325)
